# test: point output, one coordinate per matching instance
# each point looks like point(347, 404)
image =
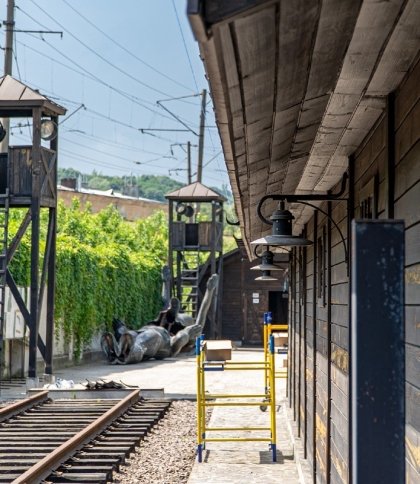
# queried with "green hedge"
point(106, 267)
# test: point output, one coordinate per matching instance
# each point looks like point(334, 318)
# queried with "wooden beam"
point(18, 237)
point(23, 309)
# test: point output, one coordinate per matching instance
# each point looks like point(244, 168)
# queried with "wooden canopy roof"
point(18, 100)
point(196, 192)
point(297, 85)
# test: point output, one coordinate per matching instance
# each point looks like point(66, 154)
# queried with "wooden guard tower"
point(28, 181)
point(195, 245)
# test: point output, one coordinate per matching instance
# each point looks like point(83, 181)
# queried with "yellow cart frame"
point(205, 400)
point(268, 330)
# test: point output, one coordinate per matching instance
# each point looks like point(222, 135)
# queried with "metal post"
point(273, 398)
point(199, 399)
point(378, 352)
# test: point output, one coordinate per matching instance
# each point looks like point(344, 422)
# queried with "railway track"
point(66, 440)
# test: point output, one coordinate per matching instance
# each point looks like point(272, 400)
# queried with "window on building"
point(368, 206)
point(321, 263)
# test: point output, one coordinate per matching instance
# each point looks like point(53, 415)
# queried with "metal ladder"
point(4, 223)
point(189, 285)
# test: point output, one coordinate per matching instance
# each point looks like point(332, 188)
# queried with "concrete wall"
point(17, 341)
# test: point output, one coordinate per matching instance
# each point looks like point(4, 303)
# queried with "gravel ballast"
point(167, 454)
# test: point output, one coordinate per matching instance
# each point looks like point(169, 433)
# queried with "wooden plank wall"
point(319, 369)
point(407, 207)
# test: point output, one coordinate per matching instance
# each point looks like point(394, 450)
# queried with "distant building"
point(131, 208)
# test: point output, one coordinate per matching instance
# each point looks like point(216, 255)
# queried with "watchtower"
point(195, 245)
point(28, 181)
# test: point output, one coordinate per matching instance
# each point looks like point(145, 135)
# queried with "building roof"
point(107, 193)
point(297, 86)
point(196, 192)
point(18, 100)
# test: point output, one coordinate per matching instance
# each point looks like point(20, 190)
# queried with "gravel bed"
point(167, 454)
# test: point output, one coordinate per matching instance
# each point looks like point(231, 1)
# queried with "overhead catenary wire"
point(89, 121)
point(129, 96)
point(95, 78)
point(142, 61)
point(100, 56)
point(185, 45)
point(85, 73)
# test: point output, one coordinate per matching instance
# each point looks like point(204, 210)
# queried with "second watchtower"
point(195, 245)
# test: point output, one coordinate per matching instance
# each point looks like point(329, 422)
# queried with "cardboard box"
point(285, 363)
point(280, 340)
point(218, 350)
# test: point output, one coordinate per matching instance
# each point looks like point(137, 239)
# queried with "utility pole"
point(189, 162)
point(201, 136)
point(10, 25)
point(8, 64)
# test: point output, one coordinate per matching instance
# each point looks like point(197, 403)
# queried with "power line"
point(104, 59)
point(185, 46)
point(124, 48)
point(112, 155)
point(211, 159)
point(122, 93)
point(115, 144)
point(83, 72)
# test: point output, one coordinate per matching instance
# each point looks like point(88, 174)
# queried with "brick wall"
point(130, 209)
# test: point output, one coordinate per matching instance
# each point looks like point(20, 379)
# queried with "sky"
point(112, 63)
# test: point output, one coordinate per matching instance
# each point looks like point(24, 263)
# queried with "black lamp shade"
point(266, 276)
point(281, 234)
point(267, 263)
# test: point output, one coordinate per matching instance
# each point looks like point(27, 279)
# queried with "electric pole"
point(10, 25)
point(8, 64)
point(189, 162)
point(201, 136)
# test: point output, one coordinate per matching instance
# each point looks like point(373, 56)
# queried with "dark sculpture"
point(159, 339)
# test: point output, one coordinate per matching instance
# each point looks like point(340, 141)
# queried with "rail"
point(77, 440)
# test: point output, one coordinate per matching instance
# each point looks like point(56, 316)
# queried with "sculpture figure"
point(154, 340)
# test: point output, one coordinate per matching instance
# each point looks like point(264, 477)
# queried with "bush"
point(106, 267)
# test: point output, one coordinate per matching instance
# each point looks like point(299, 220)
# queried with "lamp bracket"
point(301, 198)
point(304, 200)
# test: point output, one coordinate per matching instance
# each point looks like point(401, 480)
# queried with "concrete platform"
point(224, 462)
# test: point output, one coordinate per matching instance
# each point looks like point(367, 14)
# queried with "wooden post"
point(49, 336)
point(35, 224)
point(170, 248)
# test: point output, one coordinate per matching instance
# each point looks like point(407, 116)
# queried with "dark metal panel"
point(378, 352)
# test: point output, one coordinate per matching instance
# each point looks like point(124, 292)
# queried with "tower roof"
point(196, 192)
point(18, 99)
